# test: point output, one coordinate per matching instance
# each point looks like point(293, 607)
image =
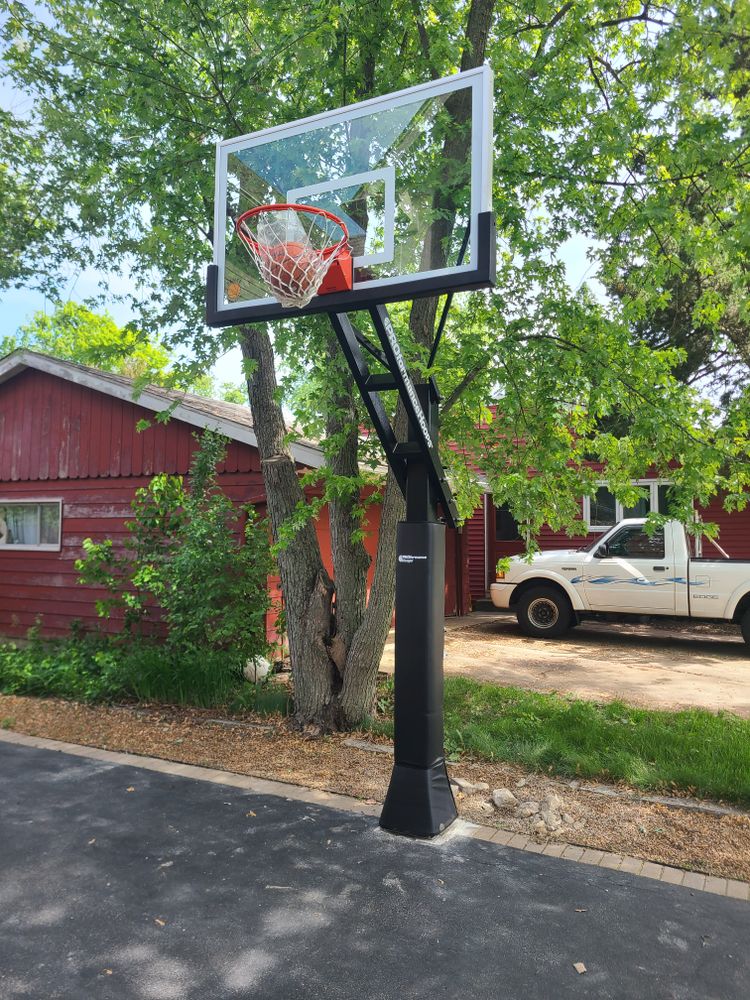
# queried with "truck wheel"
point(544, 612)
point(745, 626)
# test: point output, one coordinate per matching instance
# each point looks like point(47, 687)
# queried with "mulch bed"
point(716, 845)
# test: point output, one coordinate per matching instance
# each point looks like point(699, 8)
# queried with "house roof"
point(231, 419)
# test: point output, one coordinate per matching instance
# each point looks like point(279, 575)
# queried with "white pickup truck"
point(626, 572)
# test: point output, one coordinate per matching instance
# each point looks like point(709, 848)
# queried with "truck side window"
point(634, 543)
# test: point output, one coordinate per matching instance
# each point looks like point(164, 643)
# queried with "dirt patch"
point(603, 661)
point(716, 845)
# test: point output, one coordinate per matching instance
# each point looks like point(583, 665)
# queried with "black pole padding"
point(419, 802)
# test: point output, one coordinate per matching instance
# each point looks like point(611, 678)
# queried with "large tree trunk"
point(334, 657)
point(307, 587)
point(362, 626)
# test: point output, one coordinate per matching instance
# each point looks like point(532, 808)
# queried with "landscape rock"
point(470, 787)
point(553, 820)
point(553, 803)
point(527, 809)
point(504, 798)
point(567, 819)
point(540, 828)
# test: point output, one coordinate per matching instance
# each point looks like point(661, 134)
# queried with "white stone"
point(540, 828)
point(527, 809)
point(552, 819)
point(553, 803)
point(567, 819)
point(470, 787)
point(504, 798)
point(257, 669)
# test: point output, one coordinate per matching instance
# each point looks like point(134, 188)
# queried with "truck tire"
point(745, 626)
point(544, 612)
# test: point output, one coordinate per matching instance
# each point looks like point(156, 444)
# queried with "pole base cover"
point(419, 802)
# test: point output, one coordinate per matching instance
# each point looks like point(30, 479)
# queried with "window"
point(506, 528)
point(634, 543)
point(30, 524)
point(602, 511)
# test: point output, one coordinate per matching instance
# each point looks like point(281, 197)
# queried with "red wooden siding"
point(53, 429)
point(37, 583)
point(61, 440)
point(734, 530)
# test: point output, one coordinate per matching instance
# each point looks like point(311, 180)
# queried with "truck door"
point(631, 572)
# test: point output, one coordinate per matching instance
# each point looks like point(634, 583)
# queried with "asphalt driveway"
point(668, 669)
point(118, 882)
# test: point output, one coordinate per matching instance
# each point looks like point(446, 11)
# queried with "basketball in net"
point(299, 251)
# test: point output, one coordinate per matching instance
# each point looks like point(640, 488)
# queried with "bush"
point(96, 668)
point(85, 670)
point(188, 552)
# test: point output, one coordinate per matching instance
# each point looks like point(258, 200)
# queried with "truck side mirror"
point(602, 552)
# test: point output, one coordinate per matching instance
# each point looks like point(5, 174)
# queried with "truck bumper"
point(500, 594)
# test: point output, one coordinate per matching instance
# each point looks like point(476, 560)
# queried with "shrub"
point(189, 552)
point(99, 668)
point(86, 670)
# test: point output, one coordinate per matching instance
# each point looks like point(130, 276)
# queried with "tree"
point(128, 100)
point(76, 333)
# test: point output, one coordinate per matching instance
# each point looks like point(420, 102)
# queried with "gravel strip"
point(712, 844)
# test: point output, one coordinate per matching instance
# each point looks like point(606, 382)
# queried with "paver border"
point(591, 857)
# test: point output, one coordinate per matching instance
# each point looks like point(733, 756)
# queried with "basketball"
point(291, 266)
point(234, 291)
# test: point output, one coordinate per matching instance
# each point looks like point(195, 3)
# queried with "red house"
point(71, 460)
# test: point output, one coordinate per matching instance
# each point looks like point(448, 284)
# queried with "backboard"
point(410, 174)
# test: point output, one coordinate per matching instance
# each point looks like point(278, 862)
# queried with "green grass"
point(692, 751)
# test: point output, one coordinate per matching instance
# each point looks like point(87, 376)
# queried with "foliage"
point(96, 668)
point(693, 751)
point(622, 124)
point(189, 552)
point(85, 670)
point(76, 333)
point(272, 697)
point(621, 129)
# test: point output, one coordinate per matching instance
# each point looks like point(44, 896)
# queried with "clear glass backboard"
point(409, 173)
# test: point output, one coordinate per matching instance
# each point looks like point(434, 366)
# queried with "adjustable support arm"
point(370, 385)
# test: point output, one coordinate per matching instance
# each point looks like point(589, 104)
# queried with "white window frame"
point(653, 487)
point(17, 501)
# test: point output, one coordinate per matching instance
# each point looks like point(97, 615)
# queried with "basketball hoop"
point(299, 251)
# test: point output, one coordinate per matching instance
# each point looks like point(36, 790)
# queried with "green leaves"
point(196, 556)
point(620, 124)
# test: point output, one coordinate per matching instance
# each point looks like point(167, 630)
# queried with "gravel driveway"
point(658, 668)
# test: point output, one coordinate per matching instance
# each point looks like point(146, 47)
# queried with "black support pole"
point(419, 802)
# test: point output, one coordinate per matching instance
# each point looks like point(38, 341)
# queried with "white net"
point(292, 250)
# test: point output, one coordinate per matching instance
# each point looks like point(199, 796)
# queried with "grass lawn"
point(691, 751)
